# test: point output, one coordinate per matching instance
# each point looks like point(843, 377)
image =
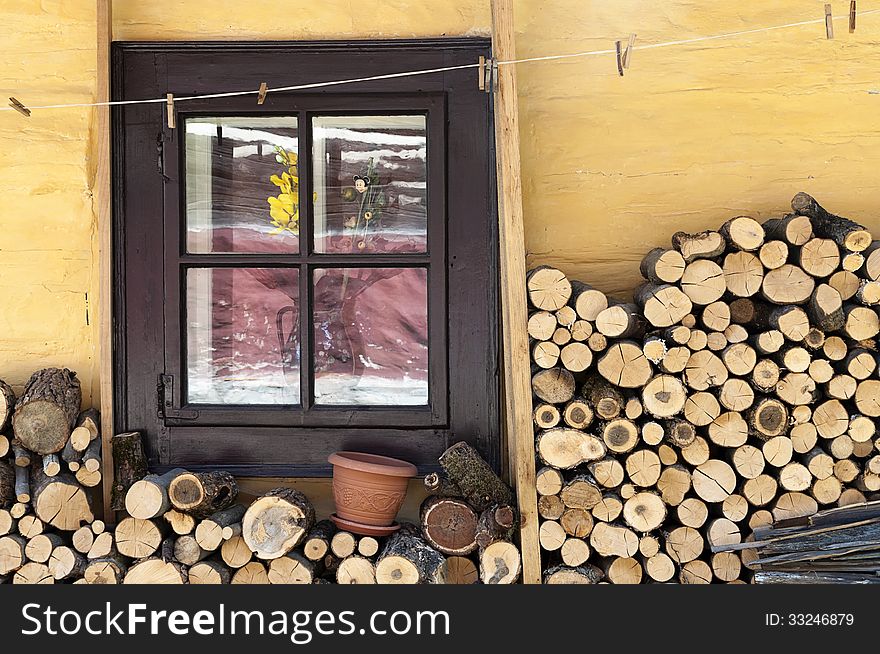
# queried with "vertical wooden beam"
point(517, 387)
point(103, 197)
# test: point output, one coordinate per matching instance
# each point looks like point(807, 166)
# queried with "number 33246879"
point(809, 619)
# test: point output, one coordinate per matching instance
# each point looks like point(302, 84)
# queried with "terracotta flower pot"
point(368, 489)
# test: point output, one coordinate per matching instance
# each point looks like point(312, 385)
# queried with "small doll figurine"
point(361, 183)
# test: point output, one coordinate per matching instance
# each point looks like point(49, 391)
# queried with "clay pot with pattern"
point(368, 490)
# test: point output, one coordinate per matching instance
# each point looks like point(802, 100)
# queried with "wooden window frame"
point(282, 441)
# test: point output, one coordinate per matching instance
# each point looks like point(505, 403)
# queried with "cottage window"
point(310, 274)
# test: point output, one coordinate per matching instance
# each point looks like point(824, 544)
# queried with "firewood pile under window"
point(181, 527)
point(739, 388)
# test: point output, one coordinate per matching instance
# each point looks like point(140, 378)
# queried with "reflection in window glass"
point(242, 336)
point(371, 336)
point(370, 181)
point(242, 185)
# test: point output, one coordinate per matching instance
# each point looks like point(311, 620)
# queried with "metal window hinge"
point(166, 408)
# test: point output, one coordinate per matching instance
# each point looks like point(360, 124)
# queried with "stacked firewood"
point(187, 527)
point(837, 545)
point(739, 387)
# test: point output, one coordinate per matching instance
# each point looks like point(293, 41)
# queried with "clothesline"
point(428, 71)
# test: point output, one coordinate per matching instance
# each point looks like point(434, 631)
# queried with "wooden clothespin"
point(264, 89)
point(19, 107)
point(169, 99)
point(627, 54)
point(829, 22)
point(619, 50)
point(852, 16)
point(488, 75)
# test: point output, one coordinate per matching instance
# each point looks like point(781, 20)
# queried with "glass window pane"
point(370, 182)
point(371, 336)
point(242, 185)
point(242, 335)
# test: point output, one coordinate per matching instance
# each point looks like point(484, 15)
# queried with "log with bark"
point(47, 410)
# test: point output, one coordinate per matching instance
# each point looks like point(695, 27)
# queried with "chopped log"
point(563, 575)
point(60, 501)
point(581, 331)
point(621, 320)
point(480, 486)
point(846, 470)
point(138, 539)
point(88, 479)
point(408, 559)
point(770, 341)
point(867, 397)
point(767, 418)
point(794, 505)
point(12, 555)
point(104, 571)
point(735, 395)
point(448, 525)
point(722, 532)
point(566, 448)
point(663, 396)
point(743, 233)
point(33, 573)
point(577, 414)
point(548, 288)
point(548, 481)
point(649, 545)
point(148, 497)
point(8, 491)
point(209, 532)
point(276, 522)
point(860, 363)
point(235, 552)
point(699, 340)
point(317, 541)
point(787, 284)
point(842, 231)
point(7, 522)
point(577, 522)
point(461, 571)
point(739, 358)
point(748, 461)
point(704, 370)
point(209, 572)
point(868, 293)
point(47, 410)
point(773, 254)
point(668, 455)
point(550, 507)
point(826, 491)
point(792, 228)
point(653, 433)
point(705, 245)
point(251, 573)
point(624, 570)
point(66, 563)
point(729, 430)
point(736, 334)
point(684, 544)
point(760, 491)
point(611, 540)
point(155, 571)
point(187, 550)
point(643, 468)
point(91, 458)
point(541, 325)
point(82, 539)
point(743, 274)
point(608, 472)
point(609, 509)
point(654, 348)
point(735, 508)
point(554, 386)
point(576, 357)
point(795, 477)
point(368, 546)
point(714, 480)
point(796, 388)
point(662, 305)
point(662, 266)
point(551, 535)
point(831, 419)
point(607, 400)
point(566, 316)
point(51, 465)
point(574, 552)
point(545, 354)
point(129, 465)
point(819, 257)
point(202, 493)
point(292, 568)
point(777, 451)
point(819, 464)
point(841, 387)
point(845, 283)
point(673, 484)
point(675, 360)
point(660, 567)
point(820, 371)
point(39, 548)
point(587, 301)
point(861, 323)
point(644, 511)
point(546, 416)
point(791, 321)
point(624, 365)
point(87, 429)
point(850, 497)
point(181, 523)
point(703, 281)
point(697, 453)
point(620, 435)
point(702, 408)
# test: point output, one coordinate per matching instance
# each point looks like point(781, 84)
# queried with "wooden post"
point(517, 390)
point(102, 194)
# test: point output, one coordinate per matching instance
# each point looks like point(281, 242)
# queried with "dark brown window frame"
point(462, 252)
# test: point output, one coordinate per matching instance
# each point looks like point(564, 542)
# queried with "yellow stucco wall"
point(611, 166)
